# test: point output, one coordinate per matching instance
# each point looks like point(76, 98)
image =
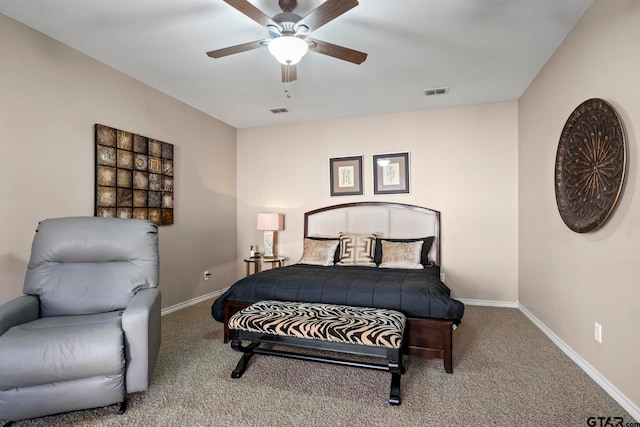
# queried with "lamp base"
point(269, 244)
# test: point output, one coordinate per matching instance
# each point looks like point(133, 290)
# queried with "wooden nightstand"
point(277, 261)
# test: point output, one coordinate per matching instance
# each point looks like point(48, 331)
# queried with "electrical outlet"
point(206, 275)
point(598, 332)
point(442, 277)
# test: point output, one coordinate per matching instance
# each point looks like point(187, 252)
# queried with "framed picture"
point(391, 173)
point(346, 176)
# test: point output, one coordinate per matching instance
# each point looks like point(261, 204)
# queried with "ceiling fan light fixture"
point(288, 50)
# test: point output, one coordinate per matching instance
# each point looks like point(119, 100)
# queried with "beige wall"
point(50, 98)
point(463, 163)
point(567, 280)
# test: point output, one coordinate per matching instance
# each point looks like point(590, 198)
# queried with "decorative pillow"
point(319, 252)
point(357, 249)
point(401, 255)
point(424, 254)
point(336, 257)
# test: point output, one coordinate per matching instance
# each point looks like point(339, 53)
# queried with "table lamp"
point(269, 223)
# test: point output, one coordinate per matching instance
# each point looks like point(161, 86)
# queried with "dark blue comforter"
point(416, 293)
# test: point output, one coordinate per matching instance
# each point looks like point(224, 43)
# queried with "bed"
point(370, 254)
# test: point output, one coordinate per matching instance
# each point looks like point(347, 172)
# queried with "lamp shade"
point(270, 221)
point(288, 50)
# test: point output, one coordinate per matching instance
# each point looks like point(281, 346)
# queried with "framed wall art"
point(134, 176)
point(345, 176)
point(391, 173)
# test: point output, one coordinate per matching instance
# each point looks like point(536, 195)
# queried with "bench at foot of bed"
point(342, 329)
point(422, 337)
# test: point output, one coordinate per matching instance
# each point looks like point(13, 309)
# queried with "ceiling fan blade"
point(289, 73)
point(251, 11)
point(337, 51)
point(327, 11)
point(219, 53)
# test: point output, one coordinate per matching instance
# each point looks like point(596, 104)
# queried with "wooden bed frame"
point(423, 337)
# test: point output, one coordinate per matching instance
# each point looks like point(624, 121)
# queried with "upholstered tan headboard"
point(391, 220)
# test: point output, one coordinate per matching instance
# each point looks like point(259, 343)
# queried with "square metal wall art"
point(134, 176)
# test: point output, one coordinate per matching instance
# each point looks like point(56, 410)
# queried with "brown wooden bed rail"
point(423, 337)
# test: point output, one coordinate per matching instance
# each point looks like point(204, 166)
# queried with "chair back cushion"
point(87, 265)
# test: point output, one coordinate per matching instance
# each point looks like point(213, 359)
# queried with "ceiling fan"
point(289, 34)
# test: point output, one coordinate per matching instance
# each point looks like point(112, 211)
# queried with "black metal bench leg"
point(244, 360)
point(396, 372)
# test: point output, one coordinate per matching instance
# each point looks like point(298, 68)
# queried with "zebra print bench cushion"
point(338, 323)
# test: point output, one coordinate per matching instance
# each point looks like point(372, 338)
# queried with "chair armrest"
point(19, 310)
point(141, 326)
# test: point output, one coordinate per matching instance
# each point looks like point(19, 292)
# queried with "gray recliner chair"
point(87, 331)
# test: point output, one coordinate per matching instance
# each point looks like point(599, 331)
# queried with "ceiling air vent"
point(436, 91)
point(279, 110)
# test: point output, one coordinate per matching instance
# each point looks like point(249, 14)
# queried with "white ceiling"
point(483, 50)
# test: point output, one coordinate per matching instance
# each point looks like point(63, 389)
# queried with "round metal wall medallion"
point(590, 165)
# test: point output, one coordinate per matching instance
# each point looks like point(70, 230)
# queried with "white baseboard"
point(618, 396)
point(488, 303)
point(186, 304)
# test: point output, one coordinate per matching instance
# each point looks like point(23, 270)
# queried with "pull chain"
point(287, 79)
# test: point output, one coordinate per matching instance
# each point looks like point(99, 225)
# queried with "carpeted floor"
point(506, 373)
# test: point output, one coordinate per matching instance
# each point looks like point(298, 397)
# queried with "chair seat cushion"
point(54, 349)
